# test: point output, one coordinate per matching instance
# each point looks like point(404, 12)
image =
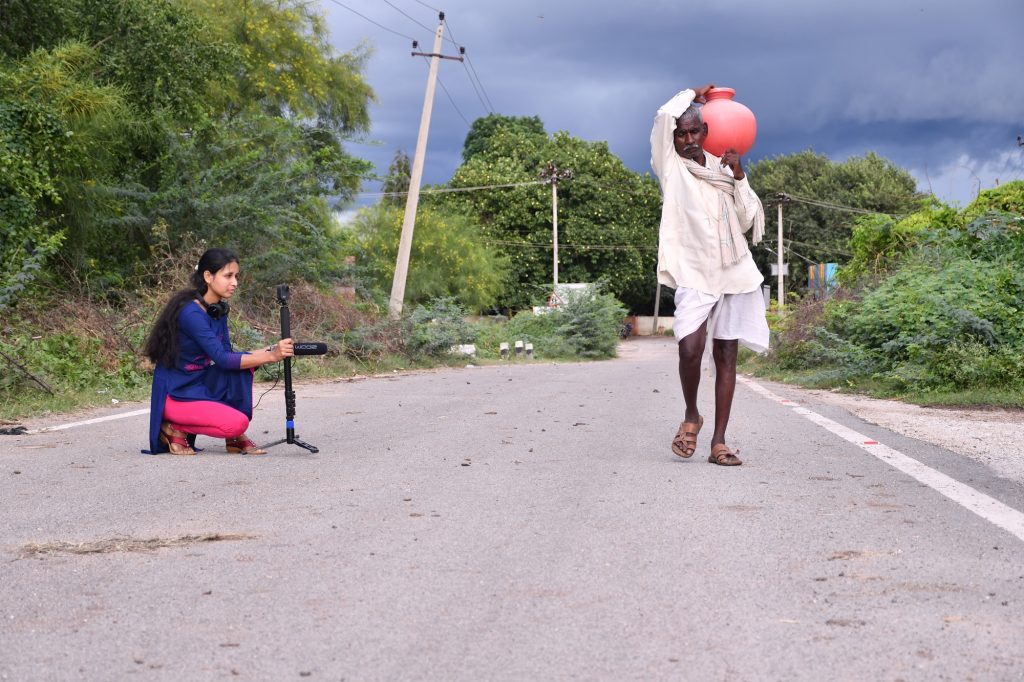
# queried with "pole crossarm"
point(552, 174)
point(439, 56)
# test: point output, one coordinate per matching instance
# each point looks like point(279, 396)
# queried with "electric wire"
point(449, 95)
point(608, 247)
point(790, 251)
point(410, 18)
point(427, 6)
point(476, 90)
point(489, 106)
point(455, 106)
point(836, 207)
point(375, 23)
point(482, 89)
point(818, 248)
point(446, 190)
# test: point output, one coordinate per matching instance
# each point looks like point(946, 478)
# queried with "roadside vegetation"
point(134, 134)
point(930, 309)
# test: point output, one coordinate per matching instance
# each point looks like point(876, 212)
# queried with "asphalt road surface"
point(516, 522)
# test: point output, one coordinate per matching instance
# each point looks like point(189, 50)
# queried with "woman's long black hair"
point(162, 345)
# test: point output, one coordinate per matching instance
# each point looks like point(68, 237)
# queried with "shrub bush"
point(942, 312)
point(585, 326)
point(435, 327)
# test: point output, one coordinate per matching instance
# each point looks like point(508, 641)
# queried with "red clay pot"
point(730, 124)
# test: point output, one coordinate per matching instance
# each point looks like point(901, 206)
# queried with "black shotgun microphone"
point(310, 348)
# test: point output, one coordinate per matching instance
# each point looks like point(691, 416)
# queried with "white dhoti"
point(739, 317)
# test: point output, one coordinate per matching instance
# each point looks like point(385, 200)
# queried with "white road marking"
point(988, 508)
point(97, 420)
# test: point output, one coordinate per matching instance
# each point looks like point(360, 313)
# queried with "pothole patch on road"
point(850, 554)
point(845, 622)
point(740, 508)
point(125, 544)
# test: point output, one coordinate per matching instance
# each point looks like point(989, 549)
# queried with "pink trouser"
point(205, 417)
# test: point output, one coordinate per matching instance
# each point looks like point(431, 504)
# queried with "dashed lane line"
point(86, 422)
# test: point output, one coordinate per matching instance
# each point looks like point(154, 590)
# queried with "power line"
point(410, 18)
point(609, 247)
point(449, 95)
point(476, 90)
point(836, 207)
point(428, 6)
point(790, 251)
point(457, 110)
point(447, 190)
point(375, 23)
point(489, 106)
point(473, 68)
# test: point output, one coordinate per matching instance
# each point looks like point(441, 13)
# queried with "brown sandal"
point(244, 445)
point(172, 437)
point(723, 456)
point(685, 442)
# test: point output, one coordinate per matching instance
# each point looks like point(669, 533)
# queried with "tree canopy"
point(483, 129)
point(607, 214)
point(813, 229)
point(448, 258)
point(127, 126)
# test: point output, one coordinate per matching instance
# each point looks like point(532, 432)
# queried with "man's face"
point(688, 138)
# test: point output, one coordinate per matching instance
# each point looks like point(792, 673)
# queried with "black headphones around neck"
point(216, 310)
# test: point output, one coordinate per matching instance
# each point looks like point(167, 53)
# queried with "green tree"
point(252, 184)
point(448, 258)
point(483, 129)
point(608, 215)
point(58, 138)
point(26, 25)
point(161, 105)
point(820, 233)
point(287, 65)
point(396, 184)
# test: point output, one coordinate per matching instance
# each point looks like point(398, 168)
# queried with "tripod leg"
point(303, 444)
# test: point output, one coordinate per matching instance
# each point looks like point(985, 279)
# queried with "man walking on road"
point(707, 207)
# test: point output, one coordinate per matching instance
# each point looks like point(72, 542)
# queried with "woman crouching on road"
point(200, 385)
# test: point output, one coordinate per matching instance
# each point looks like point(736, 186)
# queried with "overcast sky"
point(936, 86)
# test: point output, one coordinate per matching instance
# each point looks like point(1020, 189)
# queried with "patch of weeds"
point(118, 545)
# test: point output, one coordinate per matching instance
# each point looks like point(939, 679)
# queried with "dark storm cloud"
point(932, 85)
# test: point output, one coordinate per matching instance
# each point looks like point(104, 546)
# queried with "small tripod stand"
point(289, 394)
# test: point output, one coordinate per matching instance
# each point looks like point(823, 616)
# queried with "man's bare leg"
point(724, 352)
point(691, 348)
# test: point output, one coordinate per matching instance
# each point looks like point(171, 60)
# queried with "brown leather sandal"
point(244, 445)
point(685, 442)
point(723, 456)
point(172, 437)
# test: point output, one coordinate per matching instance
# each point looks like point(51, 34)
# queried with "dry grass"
point(117, 545)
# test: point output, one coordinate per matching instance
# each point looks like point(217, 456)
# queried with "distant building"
point(821, 279)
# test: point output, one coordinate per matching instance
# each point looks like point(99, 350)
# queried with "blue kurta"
point(205, 369)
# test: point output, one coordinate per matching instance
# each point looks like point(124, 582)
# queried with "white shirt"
point(689, 253)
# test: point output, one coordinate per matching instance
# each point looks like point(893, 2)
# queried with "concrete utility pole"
point(783, 199)
point(552, 175)
point(782, 285)
point(657, 308)
point(412, 201)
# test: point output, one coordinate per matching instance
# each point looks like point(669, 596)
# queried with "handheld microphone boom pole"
point(289, 394)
